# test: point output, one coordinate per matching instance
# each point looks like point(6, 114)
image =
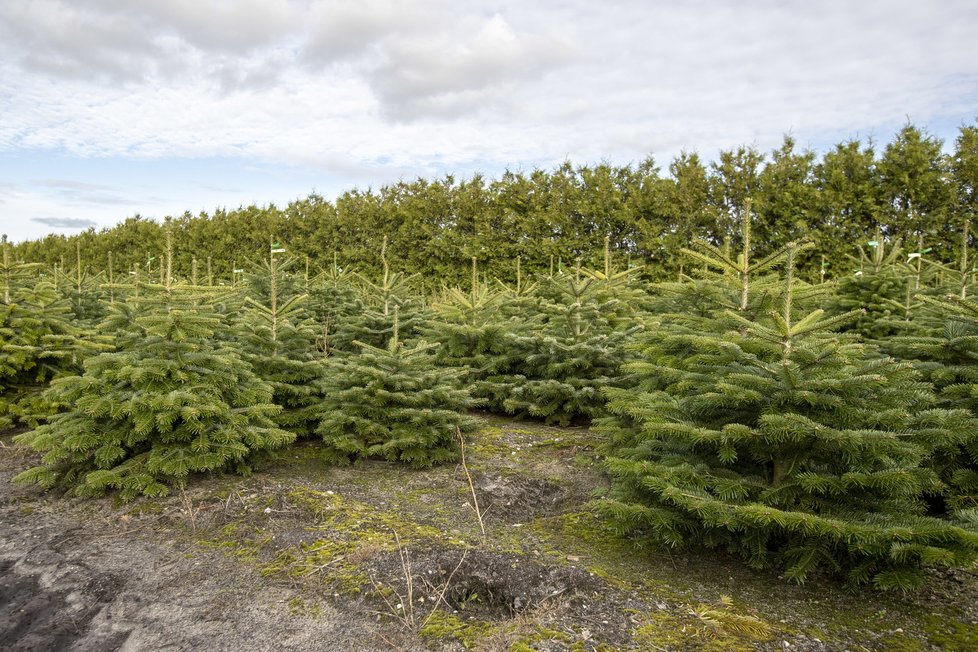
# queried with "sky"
point(112, 108)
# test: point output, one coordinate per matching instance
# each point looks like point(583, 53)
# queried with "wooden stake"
point(111, 289)
point(475, 277)
point(964, 260)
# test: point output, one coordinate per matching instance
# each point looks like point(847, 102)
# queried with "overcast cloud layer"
point(336, 94)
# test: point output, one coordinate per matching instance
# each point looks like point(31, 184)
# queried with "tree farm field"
point(305, 556)
point(330, 437)
point(520, 327)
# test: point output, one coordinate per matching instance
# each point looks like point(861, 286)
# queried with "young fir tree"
point(468, 329)
point(725, 284)
point(392, 403)
point(948, 357)
point(472, 329)
point(878, 289)
point(169, 401)
point(788, 446)
point(83, 289)
point(38, 342)
point(334, 300)
point(374, 325)
point(720, 281)
point(573, 345)
point(561, 344)
point(278, 340)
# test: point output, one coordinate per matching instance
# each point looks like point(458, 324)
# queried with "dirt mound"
point(501, 586)
point(486, 585)
point(516, 498)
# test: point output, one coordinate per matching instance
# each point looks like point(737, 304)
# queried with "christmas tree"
point(469, 330)
point(881, 287)
point(278, 340)
point(782, 443)
point(550, 347)
point(472, 328)
point(334, 300)
point(374, 324)
point(169, 401)
point(38, 342)
point(948, 357)
point(559, 368)
point(83, 289)
point(392, 403)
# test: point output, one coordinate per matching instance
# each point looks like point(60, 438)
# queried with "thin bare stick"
point(188, 507)
point(392, 610)
point(322, 567)
point(404, 611)
point(409, 578)
point(468, 476)
point(444, 590)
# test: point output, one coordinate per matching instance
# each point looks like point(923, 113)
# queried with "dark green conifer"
point(948, 357)
point(84, 290)
point(878, 288)
point(782, 443)
point(334, 300)
point(168, 402)
point(572, 345)
point(374, 324)
point(472, 328)
point(278, 340)
point(392, 403)
point(38, 341)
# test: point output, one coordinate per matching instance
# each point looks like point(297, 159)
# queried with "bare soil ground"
point(302, 556)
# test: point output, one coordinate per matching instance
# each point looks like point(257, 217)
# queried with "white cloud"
point(66, 222)
point(349, 29)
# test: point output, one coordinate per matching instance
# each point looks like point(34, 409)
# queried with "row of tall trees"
point(908, 188)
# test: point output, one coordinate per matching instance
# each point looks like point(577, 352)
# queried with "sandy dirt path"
point(71, 578)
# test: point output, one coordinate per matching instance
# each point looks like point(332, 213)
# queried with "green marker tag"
point(873, 243)
point(927, 250)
